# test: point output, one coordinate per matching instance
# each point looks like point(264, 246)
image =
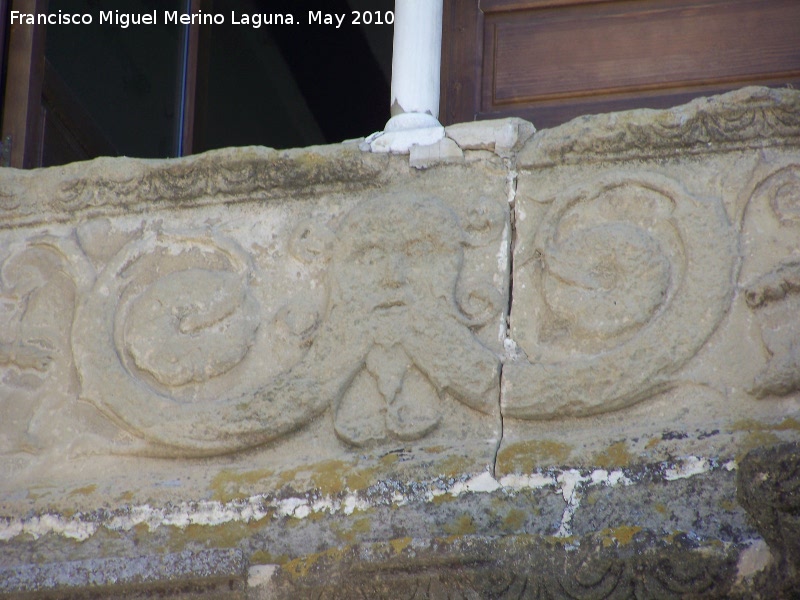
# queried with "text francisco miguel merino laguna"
point(174, 17)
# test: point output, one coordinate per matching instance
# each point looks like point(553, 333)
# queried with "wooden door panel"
point(551, 60)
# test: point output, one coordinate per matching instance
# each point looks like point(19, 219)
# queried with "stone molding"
point(752, 117)
point(109, 187)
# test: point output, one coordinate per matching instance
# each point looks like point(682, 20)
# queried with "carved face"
point(391, 254)
point(395, 270)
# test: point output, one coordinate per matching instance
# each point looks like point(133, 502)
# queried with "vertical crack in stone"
point(511, 183)
point(502, 427)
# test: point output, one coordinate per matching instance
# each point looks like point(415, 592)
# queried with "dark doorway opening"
point(165, 89)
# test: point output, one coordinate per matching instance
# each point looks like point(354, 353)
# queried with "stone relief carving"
point(783, 191)
point(174, 320)
point(410, 321)
point(106, 187)
point(753, 116)
point(774, 295)
point(168, 311)
point(38, 289)
point(516, 567)
point(629, 276)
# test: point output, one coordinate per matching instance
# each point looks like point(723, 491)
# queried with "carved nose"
point(395, 274)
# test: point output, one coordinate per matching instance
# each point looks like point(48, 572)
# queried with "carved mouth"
point(391, 304)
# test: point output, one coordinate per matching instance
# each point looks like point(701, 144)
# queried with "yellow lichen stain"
point(514, 520)
point(442, 498)
point(351, 534)
point(263, 557)
point(452, 466)
point(660, 508)
point(554, 540)
point(68, 513)
point(652, 443)
point(362, 525)
point(463, 525)
point(616, 455)
point(299, 567)
point(788, 424)
point(624, 533)
point(228, 485)
point(335, 476)
point(400, 544)
point(83, 491)
point(728, 505)
point(525, 457)
point(389, 459)
point(315, 515)
point(757, 439)
point(226, 535)
point(125, 496)
point(328, 476)
point(289, 475)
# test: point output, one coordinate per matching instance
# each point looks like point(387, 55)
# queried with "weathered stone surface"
point(302, 360)
point(206, 574)
point(514, 567)
point(753, 117)
point(505, 137)
point(654, 309)
point(769, 489)
point(320, 332)
point(622, 281)
point(445, 151)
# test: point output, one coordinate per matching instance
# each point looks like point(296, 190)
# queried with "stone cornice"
point(113, 186)
point(752, 117)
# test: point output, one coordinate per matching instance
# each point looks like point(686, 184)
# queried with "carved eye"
point(369, 255)
point(419, 248)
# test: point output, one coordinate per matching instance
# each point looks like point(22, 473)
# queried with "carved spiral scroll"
point(171, 317)
point(632, 275)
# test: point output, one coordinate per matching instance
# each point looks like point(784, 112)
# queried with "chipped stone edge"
point(428, 148)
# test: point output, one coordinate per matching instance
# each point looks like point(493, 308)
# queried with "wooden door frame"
point(25, 85)
point(22, 117)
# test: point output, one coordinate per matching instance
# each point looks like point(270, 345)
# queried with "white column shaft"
point(416, 57)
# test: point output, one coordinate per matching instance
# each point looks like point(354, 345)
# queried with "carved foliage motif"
point(38, 285)
point(753, 116)
point(631, 275)
point(166, 340)
point(108, 187)
point(774, 296)
point(525, 569)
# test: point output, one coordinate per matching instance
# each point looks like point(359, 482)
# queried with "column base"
point(411, 120)
point(404, 131)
